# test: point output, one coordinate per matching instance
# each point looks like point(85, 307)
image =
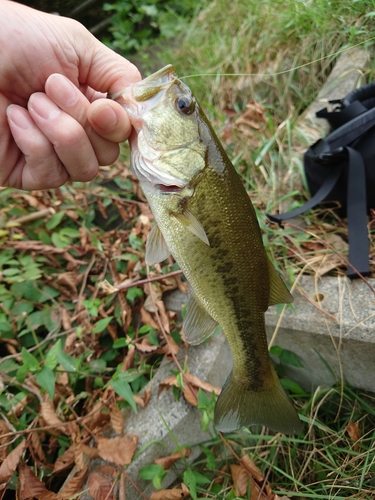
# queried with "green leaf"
point(60, 240)
point(150, 471)
point(102, 324)
point(190, 481)
point(133, 293)
point(124, 390)
point(55, 220)
point(121, 342)
point(29, 360)
point(22, 373)
point(67, 362)
point(292, 386)
point(46, 379)
point(289, 358)
point(276, 350)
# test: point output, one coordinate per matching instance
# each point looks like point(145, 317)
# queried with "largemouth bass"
point(205, 219)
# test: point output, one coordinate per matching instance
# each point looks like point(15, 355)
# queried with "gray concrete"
point(336, 332)
point(165, 421)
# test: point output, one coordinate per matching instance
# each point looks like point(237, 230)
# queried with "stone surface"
point(166, 423)
point(331, 329)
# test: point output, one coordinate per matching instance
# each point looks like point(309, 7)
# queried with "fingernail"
point(43, 106)
point(19, 116)
point(105, 117)
point(62, 90)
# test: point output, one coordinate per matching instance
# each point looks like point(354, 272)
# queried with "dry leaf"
point(250, 466)
point(172, 494)
point(11, 462)
point(35, 447)
point(73, 485)
point(240, 478)
point(32, 487)
point(65, 460)
point(117, 419)
point(168, 461)
point(119, 450)
point(142, 401)
point(107, 470)
point(48, 413)
point(353, 430)
point(191, 394)
point(100, 487)
point(4, 440)
point(147, 319)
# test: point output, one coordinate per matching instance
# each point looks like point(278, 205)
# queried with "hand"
point(55, 123)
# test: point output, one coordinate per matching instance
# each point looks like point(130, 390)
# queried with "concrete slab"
point(331, 329)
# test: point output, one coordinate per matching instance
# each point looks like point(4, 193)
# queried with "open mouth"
point(168, 189)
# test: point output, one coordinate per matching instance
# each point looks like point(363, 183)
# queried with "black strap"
point(359, 245)
point(329, 183)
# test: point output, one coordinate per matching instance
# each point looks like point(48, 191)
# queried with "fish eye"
point(185, 105)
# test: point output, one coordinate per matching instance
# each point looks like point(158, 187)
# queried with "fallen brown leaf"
point(4, 440)
point(117, 419)
point(35, 447)
point(172, 494)
point(100, 486)
point(32, 487)
point(353, 430)
point(250, 466)
point(73, 485)
point(119, 450)
point(11, 462)
point(48, 413)
point(240, 478)
point(65, 460)
point(169, 460)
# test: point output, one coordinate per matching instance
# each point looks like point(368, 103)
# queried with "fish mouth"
point(136, 98)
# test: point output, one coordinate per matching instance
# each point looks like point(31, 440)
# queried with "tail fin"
point(239, 406)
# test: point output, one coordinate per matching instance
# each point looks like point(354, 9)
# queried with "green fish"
point(205, 219)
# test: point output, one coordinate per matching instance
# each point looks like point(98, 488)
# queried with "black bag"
point(341, 168)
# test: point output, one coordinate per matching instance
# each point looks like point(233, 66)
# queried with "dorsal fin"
point(279, 294)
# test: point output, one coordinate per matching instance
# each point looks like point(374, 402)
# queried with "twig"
point(30, 217)
point(148, 280)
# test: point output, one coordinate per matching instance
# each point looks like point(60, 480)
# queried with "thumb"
point(103, 70)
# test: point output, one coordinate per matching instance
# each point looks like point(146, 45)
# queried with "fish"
point(206, 221)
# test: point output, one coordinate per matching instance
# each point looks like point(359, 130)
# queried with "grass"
point(72, 353)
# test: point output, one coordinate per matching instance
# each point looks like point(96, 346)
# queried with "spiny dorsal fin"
point(191, 223)
point(279, 294)
point(198, 324)
point(156, 247)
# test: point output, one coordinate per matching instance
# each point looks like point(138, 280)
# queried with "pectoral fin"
point(279, 294)
point(191, 223)
point(198, 324)
point(156, 247)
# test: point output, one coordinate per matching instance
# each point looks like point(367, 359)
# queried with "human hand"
point(55, 123)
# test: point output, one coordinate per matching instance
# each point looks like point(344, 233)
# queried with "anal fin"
point(279, 294)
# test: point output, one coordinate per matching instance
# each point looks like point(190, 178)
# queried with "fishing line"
point(283, 72)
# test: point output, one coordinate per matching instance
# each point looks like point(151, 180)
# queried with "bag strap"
point(358, 240)
point(329, 183)
point(359, 245)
